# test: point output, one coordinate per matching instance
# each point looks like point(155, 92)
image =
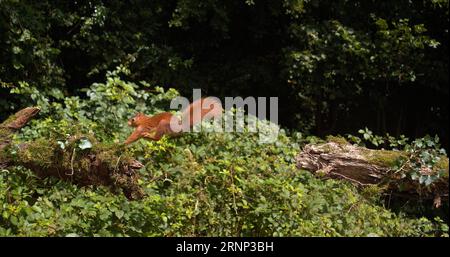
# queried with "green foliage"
point(427, 162)
point(369, 139)
point(423, 160)
point(104, 110)
point(199, 184)
point(329, 64)
point(333, 68)
point(335, 59)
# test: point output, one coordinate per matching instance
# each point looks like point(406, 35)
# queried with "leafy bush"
point(421, 161)
point(200, 184)
point(330, 64)
point(426, 161)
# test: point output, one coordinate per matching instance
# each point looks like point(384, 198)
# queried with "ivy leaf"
point(61, 145)
point(119, 214)
point(85, 144)
point(428, 181)
point(422, 179)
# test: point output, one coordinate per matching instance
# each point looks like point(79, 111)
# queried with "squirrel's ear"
point(139, 114)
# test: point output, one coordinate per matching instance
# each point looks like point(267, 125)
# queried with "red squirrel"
point(156, 126)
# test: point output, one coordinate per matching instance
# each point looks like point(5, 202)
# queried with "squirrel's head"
point(136, 120)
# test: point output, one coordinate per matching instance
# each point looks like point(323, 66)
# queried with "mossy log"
point(97, 164)
point(366, 167)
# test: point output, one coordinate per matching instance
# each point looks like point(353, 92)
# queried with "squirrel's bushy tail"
point(199, 110)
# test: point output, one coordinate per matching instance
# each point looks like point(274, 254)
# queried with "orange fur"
point(155, 127)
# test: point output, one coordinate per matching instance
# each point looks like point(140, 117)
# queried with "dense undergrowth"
point(200, 184)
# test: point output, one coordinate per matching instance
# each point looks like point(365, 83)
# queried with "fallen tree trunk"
point(364, 167)
point(79, 159)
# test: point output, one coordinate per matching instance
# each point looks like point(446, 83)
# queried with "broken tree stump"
point(365, 167)
point(80, 159)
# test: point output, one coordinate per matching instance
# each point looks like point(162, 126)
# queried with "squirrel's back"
point(152, 121)
point(201, 109)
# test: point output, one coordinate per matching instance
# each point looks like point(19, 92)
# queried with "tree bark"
point(98, 164)
point(365, 167)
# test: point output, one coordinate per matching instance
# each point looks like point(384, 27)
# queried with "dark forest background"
point(337, 66)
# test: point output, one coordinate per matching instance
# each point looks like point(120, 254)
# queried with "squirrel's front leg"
point(137, 133)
